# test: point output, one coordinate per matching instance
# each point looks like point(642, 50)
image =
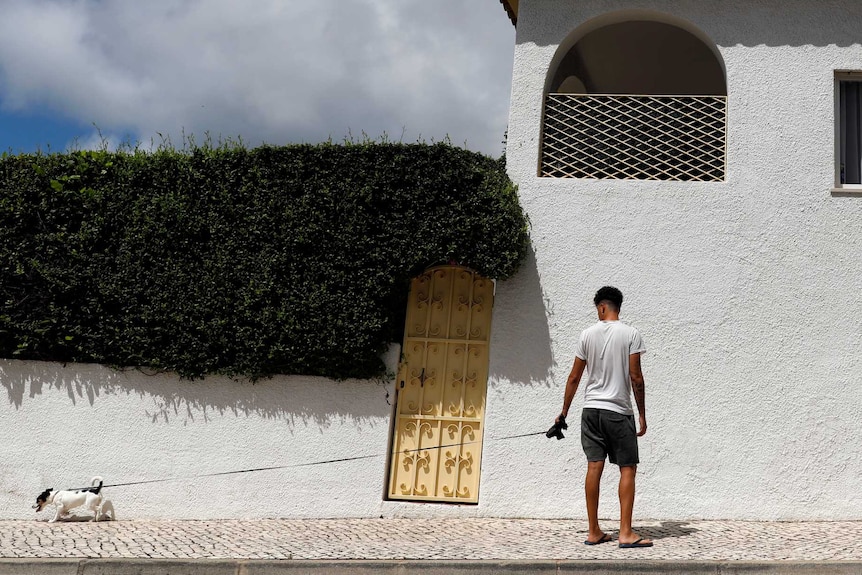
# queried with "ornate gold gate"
point(437, 443)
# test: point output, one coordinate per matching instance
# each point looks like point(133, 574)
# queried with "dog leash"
point(309, 464)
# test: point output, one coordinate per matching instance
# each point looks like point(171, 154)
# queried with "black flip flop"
point(605, 539)
point(636, 545)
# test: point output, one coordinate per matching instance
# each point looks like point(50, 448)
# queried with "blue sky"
point(286, 71)
point(47, 131)
point(27, 132)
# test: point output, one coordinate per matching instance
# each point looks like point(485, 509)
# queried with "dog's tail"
point(93, 482)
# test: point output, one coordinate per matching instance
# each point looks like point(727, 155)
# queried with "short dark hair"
point(611, 295)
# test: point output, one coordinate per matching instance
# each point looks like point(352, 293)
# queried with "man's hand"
point(642, 430)
point(558, 427)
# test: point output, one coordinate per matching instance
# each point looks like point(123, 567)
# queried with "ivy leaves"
point(292, 259)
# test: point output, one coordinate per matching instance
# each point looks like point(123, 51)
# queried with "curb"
point(549, 567)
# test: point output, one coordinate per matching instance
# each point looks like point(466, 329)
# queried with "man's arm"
point(637, 378)
point(572, 384)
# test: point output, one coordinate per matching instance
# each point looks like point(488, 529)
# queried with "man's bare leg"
point(627, 502)
point(592, 485)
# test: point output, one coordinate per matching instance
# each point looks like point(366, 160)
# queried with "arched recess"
point(635, 95)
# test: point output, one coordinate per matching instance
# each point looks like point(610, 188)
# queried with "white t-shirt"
point(606, 347)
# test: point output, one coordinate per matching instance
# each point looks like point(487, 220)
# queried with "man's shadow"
point(667, 530)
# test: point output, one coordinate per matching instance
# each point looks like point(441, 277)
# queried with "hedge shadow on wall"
point(293, 400)
point(276, 260)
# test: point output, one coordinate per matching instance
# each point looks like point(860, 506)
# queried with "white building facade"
point(703, 157)
point(743, 270)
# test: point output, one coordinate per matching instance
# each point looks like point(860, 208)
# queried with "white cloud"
point(267, 70)
point(95, 140)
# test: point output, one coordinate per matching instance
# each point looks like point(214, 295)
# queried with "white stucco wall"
point(60, 425)
point(748, 293)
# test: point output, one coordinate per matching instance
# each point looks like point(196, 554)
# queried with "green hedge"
point(292, 260)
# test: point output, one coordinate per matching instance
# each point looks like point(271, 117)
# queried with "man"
point(609, 353)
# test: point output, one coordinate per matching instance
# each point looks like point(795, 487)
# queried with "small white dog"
point(91, 498)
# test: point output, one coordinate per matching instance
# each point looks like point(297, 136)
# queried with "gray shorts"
point(609, 434)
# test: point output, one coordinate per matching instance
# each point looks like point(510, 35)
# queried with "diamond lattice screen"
point(634, 137)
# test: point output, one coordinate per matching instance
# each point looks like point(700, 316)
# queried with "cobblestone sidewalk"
point(427, 539)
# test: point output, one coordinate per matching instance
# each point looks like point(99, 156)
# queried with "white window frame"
point(839, 187)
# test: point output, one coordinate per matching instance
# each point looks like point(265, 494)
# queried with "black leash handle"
point(557, 429)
